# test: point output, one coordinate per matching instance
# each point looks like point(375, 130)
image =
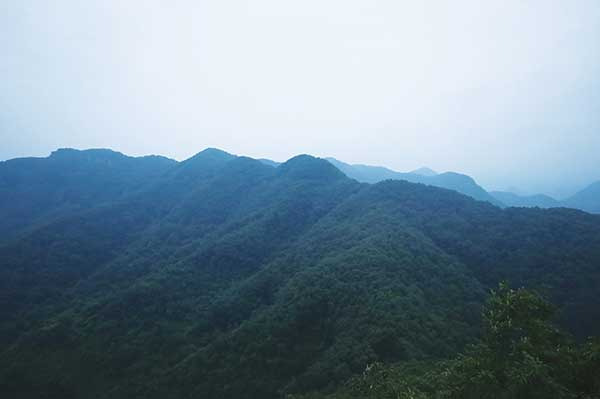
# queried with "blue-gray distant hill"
point(449, 180)
point(269, 162)
point(424, 171)
point(538, 200)
point(587, 199)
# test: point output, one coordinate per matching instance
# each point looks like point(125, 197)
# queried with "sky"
point(505, 91)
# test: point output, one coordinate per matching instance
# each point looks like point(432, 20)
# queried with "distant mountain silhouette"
point(309, 167)
point(538, 200)
point(587, 199)
point(424, 171)
point(449, 180)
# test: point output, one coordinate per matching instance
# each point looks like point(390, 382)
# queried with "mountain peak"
point(99, 153)
point(424, 171)
point(309, 167)
point(203, 163)
point(457, 177)
point(212, 153)
point(209, 156)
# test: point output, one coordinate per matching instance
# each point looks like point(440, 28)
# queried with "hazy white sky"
point(505, 91)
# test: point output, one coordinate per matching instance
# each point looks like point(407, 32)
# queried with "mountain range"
point(450, 180)
point(224, 276)
point(539, 200)
point(587, 199)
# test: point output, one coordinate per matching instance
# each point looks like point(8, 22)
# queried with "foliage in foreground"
point(521, 356)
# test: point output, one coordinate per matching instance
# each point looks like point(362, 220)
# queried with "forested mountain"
point(450, 180)
point(38, 190)
point(225, 277)
point(521, 355)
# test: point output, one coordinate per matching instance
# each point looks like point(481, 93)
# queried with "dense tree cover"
point(521, 355)
point(222, 276)
point(34, 191)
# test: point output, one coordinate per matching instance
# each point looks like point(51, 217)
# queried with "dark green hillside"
point(223, 276)
point(521, 355)
point(556, 250)
point(38, 190)
point(352, 290)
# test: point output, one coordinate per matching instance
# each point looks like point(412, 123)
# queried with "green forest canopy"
point(221, 276)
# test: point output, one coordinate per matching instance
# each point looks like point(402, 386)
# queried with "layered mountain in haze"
point(225, 277)
point(587, 199)
point(538, 200)
point(450, 180)
point(424, 171)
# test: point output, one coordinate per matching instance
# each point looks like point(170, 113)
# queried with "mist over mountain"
point(512, 199)
point(225, 276)
point(408, 207)
point(424, 171)
point(450, 180)
point(587, 199)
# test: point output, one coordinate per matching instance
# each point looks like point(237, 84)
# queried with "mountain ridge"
point(586, 199)
point(424, 171)
point(238, 279)
point(449, 180)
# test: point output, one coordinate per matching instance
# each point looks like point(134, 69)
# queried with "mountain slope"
point(225, 277)
point(38, 190)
